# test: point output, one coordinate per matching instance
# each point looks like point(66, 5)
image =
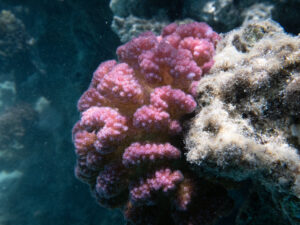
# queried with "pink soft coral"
point(129, 115)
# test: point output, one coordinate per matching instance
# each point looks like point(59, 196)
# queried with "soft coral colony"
point(131, 119)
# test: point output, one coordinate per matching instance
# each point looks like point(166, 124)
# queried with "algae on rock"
point(247, 126)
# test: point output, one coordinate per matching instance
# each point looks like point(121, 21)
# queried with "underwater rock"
point(259, 208)
point(13, 36)
point(247, 125)
point(134, 17)
point(15, 123)
point(132, 26)
point(225, 15)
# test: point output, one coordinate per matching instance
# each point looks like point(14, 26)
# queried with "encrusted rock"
point(138, 16)
point(247, 126)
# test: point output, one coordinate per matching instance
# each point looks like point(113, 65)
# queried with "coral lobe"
point(129, 115)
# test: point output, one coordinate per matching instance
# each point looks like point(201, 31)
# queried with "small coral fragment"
point(185, 193)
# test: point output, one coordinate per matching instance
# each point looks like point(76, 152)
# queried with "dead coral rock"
point(247, 126)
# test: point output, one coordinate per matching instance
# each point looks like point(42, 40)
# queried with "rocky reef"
point(13, 35)
point(134, 17)
point(247, 124)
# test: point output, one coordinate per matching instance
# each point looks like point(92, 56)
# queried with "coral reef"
point(13, 36)
point(67, 40)
point(131, 116)
point(248, 117)
point(14, 123)
point(134, 17)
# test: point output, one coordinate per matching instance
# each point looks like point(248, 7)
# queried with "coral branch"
point(163, 180)
point(137, 153)
point(108, 124)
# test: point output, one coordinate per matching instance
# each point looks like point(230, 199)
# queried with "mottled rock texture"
point(247, 125)
point(136, 16)
point(13, 37)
